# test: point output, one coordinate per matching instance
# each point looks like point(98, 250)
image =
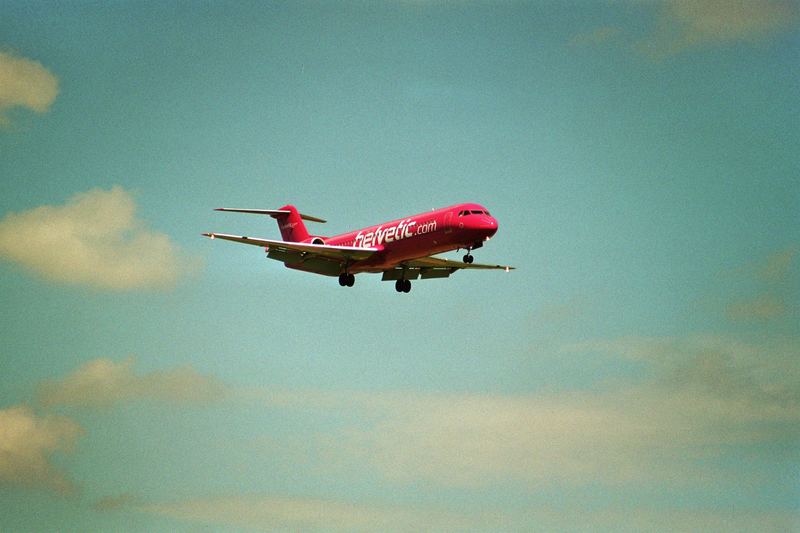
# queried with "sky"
point(638, 371)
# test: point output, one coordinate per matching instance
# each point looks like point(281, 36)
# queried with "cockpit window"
point(476, 212)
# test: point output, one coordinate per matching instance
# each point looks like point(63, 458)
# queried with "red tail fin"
point(291, 225)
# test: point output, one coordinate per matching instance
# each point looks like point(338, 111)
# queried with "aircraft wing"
point(336, 253)
point(438, 262)
point(432, 267)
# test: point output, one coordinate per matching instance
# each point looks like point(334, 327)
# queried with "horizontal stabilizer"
point(274, 213)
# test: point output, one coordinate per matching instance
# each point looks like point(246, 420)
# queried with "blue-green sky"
point(639, 371)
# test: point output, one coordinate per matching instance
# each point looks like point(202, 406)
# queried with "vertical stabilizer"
point(291, 225)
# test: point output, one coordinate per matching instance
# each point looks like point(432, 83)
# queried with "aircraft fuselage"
point(460, 226)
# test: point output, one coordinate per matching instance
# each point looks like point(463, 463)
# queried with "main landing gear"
point(347, 280)
point(402, 285)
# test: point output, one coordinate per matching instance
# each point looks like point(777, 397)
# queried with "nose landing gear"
point(468, 258)
point(347, 280)
point(402, 285)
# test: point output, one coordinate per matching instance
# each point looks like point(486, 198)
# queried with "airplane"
point(401, 250)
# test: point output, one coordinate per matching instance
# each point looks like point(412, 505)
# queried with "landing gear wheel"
point(402, 285)
point(468, 259)
point(406, 285)
point(342, 280)
point(351, 280)
point(398, 285)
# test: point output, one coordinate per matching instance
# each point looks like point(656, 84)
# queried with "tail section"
point(291, 225)
point(290, 221)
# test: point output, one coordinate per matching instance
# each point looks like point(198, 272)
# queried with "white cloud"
point(750, 381)
point(25, 83)
point(266, 513)
point(671, 431)
point(685, 24)
point(628, 437)
point(103, 382)
point(704, 395)
point(274, 513)
point(28, 441)
point(94, 239)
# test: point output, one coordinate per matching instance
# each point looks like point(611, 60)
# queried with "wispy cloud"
point(773, 277)
point(776, 267)
point(702, 396)
point(761, 307)
point(687, 24)
point(267, 513)
point(745, 382)
point(27, 442)
point(104, 382)
point(94, 239)
point(25, 83)
point(275, 513)
point(116, 503)
point(684, 25)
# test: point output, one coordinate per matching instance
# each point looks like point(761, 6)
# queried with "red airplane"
point(401, 249)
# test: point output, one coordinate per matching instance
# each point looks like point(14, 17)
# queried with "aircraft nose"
point(488, 225)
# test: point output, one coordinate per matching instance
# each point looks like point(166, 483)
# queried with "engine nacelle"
point(314, 240)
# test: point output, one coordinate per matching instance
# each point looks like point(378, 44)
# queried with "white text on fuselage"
point(405, 229)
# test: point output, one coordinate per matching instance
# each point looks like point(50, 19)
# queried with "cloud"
point(630, 437)
point(116, 503)
point(773, 276)
point(104, 382)
point(636, 519)
point(94, 239)
point(745, 382)
point(709, 413)
point(703, 397)
point(25, 83)
point(266, 513)
point(686, 24)
point(272, 513)
point(28, 441)
point(776, 267)
point(762, 307)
